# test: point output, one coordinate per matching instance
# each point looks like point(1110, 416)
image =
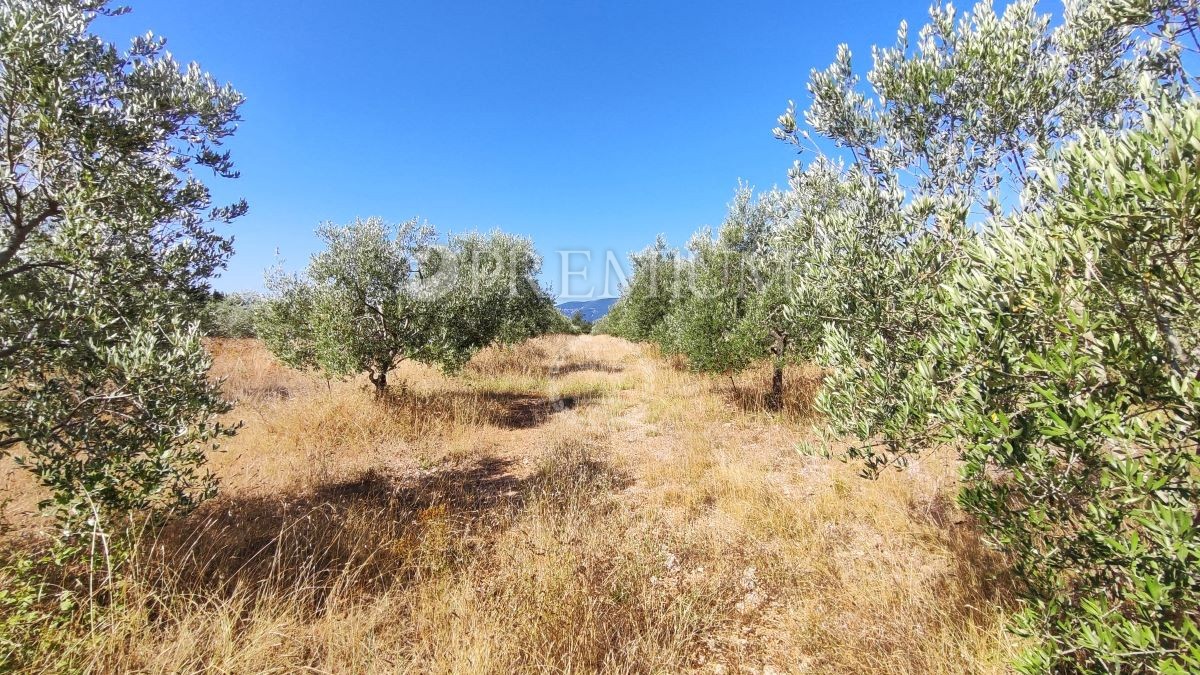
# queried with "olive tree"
point(656, 284)
point(1011, 271)
point(949, 138)
point(734, 311)
point(863, 300)
point(1077, 331)
point(380, 294)
point(726, 305)
point(231, 315)
point(106, 246)
point(579, 324)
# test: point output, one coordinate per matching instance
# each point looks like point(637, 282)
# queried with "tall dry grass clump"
point(568, 504)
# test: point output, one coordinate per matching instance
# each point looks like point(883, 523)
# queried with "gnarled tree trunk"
point(380, 382)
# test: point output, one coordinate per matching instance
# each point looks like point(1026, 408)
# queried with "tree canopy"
point(106, 246)
point(380, 294)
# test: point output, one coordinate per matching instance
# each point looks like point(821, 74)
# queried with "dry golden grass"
point(567, 505)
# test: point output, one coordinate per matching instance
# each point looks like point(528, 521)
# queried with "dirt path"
point(813, 564)
point(572, 504)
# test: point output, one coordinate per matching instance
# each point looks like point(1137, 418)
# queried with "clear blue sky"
point(583, 125)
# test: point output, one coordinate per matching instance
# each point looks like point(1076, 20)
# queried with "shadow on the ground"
point(752, 394)
point(368, 533)
point(372, 530)
point(573, 471)
point(583, 367)
point(526, 411)
point(507, 410)
point(981, 575)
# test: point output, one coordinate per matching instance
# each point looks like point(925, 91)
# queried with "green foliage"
point(603, 325)
point(654, 287)
point(945, 143)
point(380, 294)
point(106, 245)
point(735, 312)
point(580, 324)
point(557, 323)
point(1046, 331)
point(33, 612)
point(710, 327)
point(864, 300)
point(724, 306)
point(1078, 340)
point(232, 316)
point(1005, 261)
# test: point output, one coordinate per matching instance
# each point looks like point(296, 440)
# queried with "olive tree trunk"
point(380, 382)
point(775, 398)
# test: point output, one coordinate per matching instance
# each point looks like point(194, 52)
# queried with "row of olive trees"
point(723, 306)
point(381, 294)
point(1001, 259)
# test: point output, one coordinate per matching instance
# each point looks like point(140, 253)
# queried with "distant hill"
point(591, 309)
